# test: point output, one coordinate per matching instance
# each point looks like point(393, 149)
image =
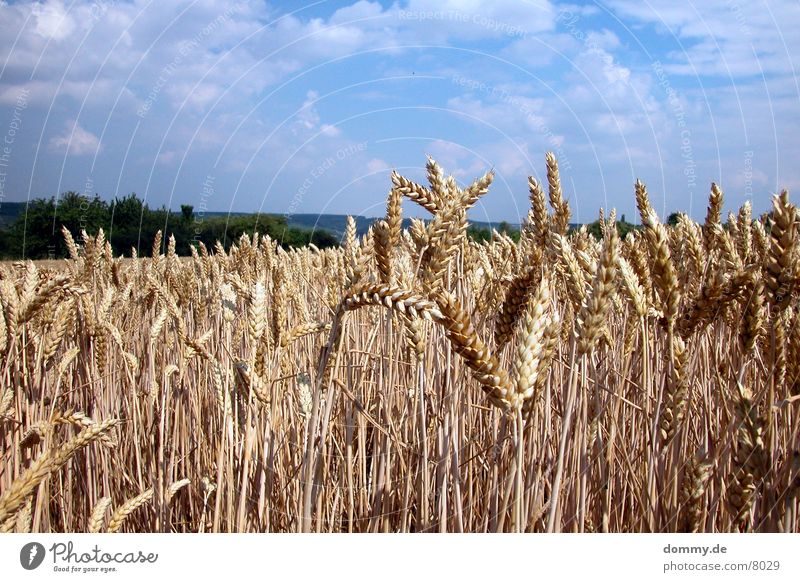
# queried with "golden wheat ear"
point(48, 463)
point(467, 343)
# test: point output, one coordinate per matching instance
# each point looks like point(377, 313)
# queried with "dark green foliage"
point(187, 210)
point(228, 229)
point(132, 225)
point(336, 223)
point(672, 219)
point(9, 211)
point(623, 228)
point(481, 233)
point(35, 231)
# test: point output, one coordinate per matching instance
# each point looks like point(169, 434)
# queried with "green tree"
point(127, 216)
point(36, 233)
point(130, 224)
point(479, 234)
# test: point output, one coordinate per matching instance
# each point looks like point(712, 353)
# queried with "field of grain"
point(413, 380)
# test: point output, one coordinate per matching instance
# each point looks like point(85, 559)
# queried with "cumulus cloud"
point(307, 119)
point(52, 21)
point(723, 37)
point(329, 130)
point(480, 19)
point(376, 165)
point(75, 141)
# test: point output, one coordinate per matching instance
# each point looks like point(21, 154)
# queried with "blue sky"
point(307, 107)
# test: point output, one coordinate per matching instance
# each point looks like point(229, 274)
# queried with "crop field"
point(413, 380)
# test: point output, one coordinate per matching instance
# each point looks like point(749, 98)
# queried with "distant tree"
point(595, 230)
point(126, 212)
point(78, 212)
point(479, 234)
point(507, 229)
point(127, 216)
point(129, 223)
point(6, 251)
point(623, 228)
point(33, 233)
point(323, 239)
point(672, 219)
point(37, 232)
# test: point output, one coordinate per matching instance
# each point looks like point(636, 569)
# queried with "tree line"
point(129, 223)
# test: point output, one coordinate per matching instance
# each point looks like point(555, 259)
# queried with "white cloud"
point(608, 81)
point(376, 165)
point(198, 96)
point(723, 37)
point(467, 162)
point(480, 19)
point(503, 108)
point(307, 120)
point(604, 39)
point(75, 141)
point(329, 130)
point(361, 10)
point(52, 20)
point(168, 157)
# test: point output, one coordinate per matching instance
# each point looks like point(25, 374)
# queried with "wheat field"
point(413, 380)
